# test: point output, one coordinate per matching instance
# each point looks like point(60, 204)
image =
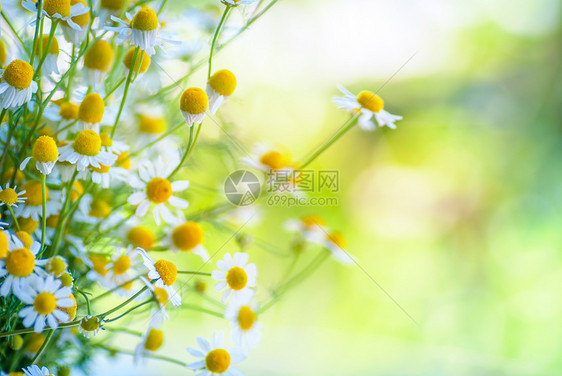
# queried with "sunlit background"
point(454, 217)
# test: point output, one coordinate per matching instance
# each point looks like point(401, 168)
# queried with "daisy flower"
point(75, 29)
point(164, 274)
point(140, 236)
point(220, 87)
point(17, 85)
point(236, 277)
point(44, 298)
point(151, 126)
point(215, 359)
point(110, 8)
point(45, 153)
point(157, 190)
point(97, 263)
point(188, 237)
point(268, 158)
point(56, 265)
point(140, 31)
point(50, 64)
point(335, 242)
point(97, 62)
point(162, 298)
point(112, 146)
point(194, 103)
point(246, 328)
point(90, 112)
point(11, 197)
point(34, 201)
point(151, 341)
point(85, 151)
point(64, 113)
point(34, 370)
point(140, 65)
point(308, 226)
point(19, 267)
point(61, 10)
point(90, 326)
point(123, 266)
point(369, 105)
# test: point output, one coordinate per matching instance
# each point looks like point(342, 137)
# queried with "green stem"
point(193, 273)
point(108, 292)
point(44, 207)
point(215, 37)
point(127, 84)
point(8, 140)
point(86, 299)
point(45, 52)
point(14, 217)
point(117, 86)
point(130, 310)
point(125, 303)
point(201, 309)
point(148, 355)
point(30, 330)
point(43, 347)
point(154, 142)
point(62, 218)
point(186, 154)
point(16, 34)
point(38, 25)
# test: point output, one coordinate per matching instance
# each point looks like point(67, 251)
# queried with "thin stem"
point(86, 299)
point(43, 347)
point(16, 34)
point(8, 139)
point(215, 37)
point(108, 292)
point(147, 354)
point(126, 302)
point(45, 51)
point(119, 83)
point(44, 207)
point(14, 217)
point(186, 154)
point(31, 330)
point(127, 84)
point(193, 273)
point(201, 309)
point(154, 142)
point(129, 310)
point(62, 218)
point(38, 25)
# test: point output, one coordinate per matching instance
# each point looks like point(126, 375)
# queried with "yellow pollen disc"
point(102, 169)
point(161, 296)
point(8, 196)
point(3, 54)
point(61, 7)
point(236, 278)
point(121, 265)
point(68, 111)
point(274, 160)
point(54, 49)
point(313, 220)
point(33, 193)
point(18, 74)
point(56, 265)
point(167, 271)
point(20, 262)
point(91, 109)
point(145, 20)
point(87, 142)
point(28, 224)
point(25, 238)
point(370, 101)
point(194, 101)
point(246, 318)
point(141, 236)
point(99, 263)
point(90, 324)
point(71, 311)
point(148, 124)
point(45, 303)
point(154, 340)
point(106, 140)
point(45, 149)
point(187, 236)
point(223, 82)
point(113, 4)
point(123, 160)
point(3, 245)
point(52, 221)
point(66, 280)
point(337, 238)
point(77, 190)
point(81, 20)
point(217, 361)
point(159, 190)
point(99, 56)
point(144, 64)
point(35, 342)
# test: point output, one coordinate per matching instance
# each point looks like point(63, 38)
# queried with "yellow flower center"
point(102, 169)
point(194, 101)
point(3, 54)
point(217, 361)
point(45, 303)
point(99, 56)
point(3, 245)
point(167, 271)
point(28, 224)
point(246, 318)
point(45, 150)
point(99, 263)
point(144, 63)
point(106, 140)
point(159, 190)
point(145, 20)
point(8, 196)
point(370, 101)
point(161, 296)
point(121, 265)
point(69, 111)
point(123, 160)
point(223, 82)
point(77, 191)
point(91, 109)
point(83, 19)
point(148, 124)
point(35, 342)
point(313, 220)
point(337, 238)
point(25, 238)
point(141, 236)
point(71, 311)
point(52, 221)
point(18, 74)
point(154, 340)
point(113, 4)
point(274, 160)
point(66, 279)
point(33, 193)
point(56, 265)
point(54, 49)
point(61, 7)
point(187, 236)
point(87, 142)
point(237, 278)
point(20, 262)
point(90, 324)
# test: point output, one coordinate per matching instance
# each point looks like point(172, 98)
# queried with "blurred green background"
point(456, 214)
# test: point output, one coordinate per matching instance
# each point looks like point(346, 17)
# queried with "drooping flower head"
point(45, 153)
point(17, 85)
point(220, 87)
point(194, 103)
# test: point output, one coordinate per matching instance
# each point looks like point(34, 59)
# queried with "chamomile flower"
point(220, 87)
point(44, 299)
point(90, 112)
point(4, 244)
point(110, 8)
point(50, 64)
point(34, 201)
point(194, 103)
point(246, 327)
point(150, 125)
point(90, 326)
point(11, 197)
point(369, 105)
point(97, 62)
point(110, 145)
point(215, 360)
point(237, 276)
point(34, 370)
point(164, 274)
point(45, 153)
point(98, 264)
point(308, 226)
point(235, 3)
point(140, 65)
point(75, 29)
point(157, 190)
point(124, 266)
point(161, 297)
point(63, 10)
point(56, 265)
point(85, 151)
point(141, 236)
point(188, 237)
point(64, 113)
point(151, 341)
point(104, 175)
point(19, 267)
point(17, 85)
point(140, 31)
point(335, 242)
point(268, 158)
